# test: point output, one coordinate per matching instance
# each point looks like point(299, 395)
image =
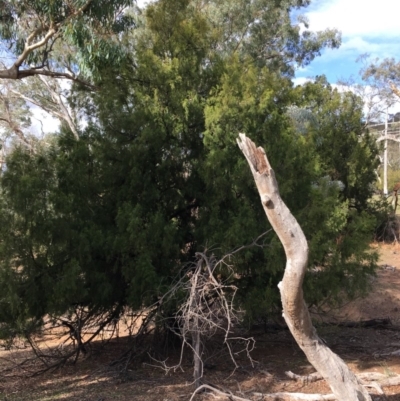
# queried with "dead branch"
point(296, 396)
point(280, 396)
point(58, 107)
point(266, 396)
point(206, 310)
point(376, 378)
point(343, 382)
point(137, 349)
point(388, 137)
point(75, 333)
point(313, 377)
point(204, 387)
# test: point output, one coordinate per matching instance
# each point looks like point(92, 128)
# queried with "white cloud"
point(358, 44)
point(353, 47)
point(366, 26)
point(42, 122)
point(143, 3)
point(301, 80)
point(374, 48)
point(357, 17)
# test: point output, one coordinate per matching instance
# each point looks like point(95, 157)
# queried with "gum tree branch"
point(50, 30)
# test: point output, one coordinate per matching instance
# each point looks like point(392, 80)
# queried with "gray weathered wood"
point(344, 384)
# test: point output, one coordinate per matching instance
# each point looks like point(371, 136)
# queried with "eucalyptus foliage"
point(86, 30)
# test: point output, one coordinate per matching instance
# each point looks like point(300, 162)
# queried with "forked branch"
point(39, 38)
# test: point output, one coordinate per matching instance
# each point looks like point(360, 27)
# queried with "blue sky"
point(367, 26)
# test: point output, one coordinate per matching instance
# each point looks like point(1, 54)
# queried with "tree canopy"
point(54, 38)
point(107, 221)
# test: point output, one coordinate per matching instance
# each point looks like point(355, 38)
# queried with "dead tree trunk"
point(344, 384)
point(195, 331)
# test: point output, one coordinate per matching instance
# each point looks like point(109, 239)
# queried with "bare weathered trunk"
point(193, 324)
point(342, 381)
point(197, 362)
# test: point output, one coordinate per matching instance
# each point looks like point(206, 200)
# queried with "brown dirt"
point(276, 352)
point(384, 299)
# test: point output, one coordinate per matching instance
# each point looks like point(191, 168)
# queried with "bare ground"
point(364, 349)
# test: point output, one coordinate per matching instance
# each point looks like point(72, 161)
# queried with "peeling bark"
point(344, 384)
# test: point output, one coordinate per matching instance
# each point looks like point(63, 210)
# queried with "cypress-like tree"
point(108, 221)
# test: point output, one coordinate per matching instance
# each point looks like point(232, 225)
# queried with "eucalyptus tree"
point(44, 40)
point(383, 77)
point(50, 95)
point(15, 117)
point(385, 74)
point(30, 30)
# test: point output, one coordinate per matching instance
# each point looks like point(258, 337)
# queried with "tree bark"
point(14, 73)
point(344, 384)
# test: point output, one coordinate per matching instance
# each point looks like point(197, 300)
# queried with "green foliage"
point(88, 29)
point(156, 175)
point(346, 152)
point(383, 74)
point(340, 217)
point(15, 113)
point(55, 255)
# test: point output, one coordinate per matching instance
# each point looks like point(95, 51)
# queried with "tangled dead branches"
point(207, 309)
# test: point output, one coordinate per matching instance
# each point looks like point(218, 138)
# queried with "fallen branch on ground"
point(296, 396)
point(376, 381)
point(383, 379)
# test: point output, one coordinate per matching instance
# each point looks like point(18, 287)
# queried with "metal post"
point(385, 157)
